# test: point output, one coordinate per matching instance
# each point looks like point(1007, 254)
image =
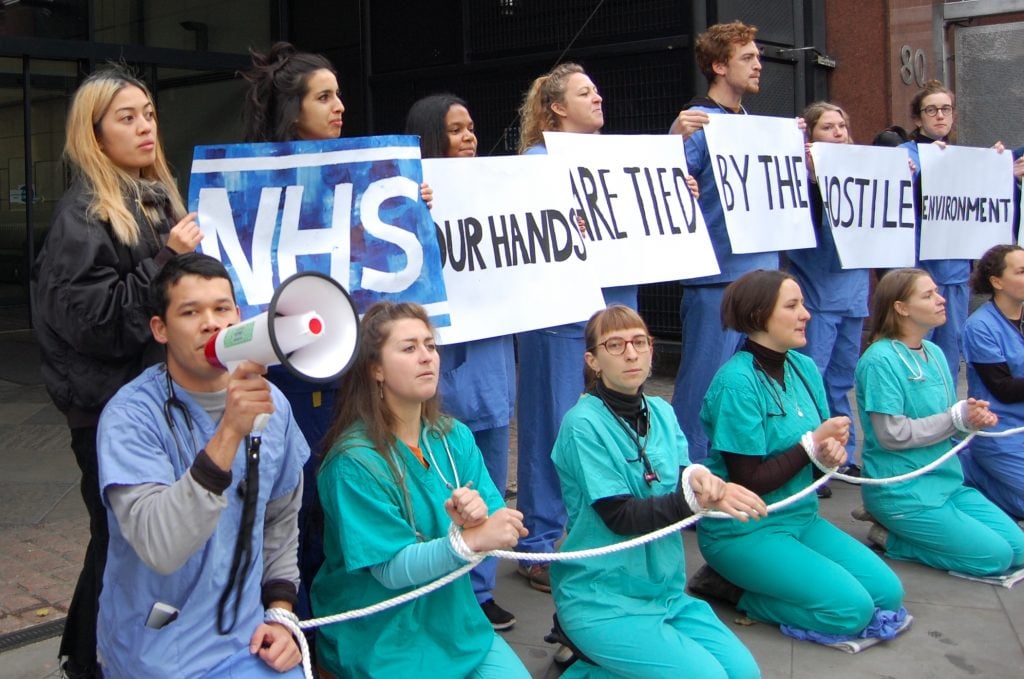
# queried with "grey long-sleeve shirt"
point(899, 432)
point(166, 525)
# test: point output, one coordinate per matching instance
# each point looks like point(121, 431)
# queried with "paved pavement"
point(962, 629)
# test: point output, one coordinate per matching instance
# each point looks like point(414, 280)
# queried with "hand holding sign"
point(761, 175)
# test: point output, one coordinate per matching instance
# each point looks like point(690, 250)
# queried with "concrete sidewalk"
point(961, 629)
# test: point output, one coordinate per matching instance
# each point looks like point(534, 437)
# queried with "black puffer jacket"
point(90, 304)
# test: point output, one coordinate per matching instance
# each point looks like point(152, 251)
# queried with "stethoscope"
point(171, 404)
point(776, 395)
point(439, 435)
point(249, 489)
point(915, 373)
point(399, 467)
point(639, 438)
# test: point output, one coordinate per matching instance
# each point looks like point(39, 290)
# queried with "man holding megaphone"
point(202, 504)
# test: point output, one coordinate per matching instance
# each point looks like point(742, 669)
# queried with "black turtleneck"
point(628, 514)
point(771, 362)
point(758, 472)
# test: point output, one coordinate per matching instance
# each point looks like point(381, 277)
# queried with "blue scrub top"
point(989, 337)
point(942, 271)
point(825, 284)
point(478, 382)
point(136, 446)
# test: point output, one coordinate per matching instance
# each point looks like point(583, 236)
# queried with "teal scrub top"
point(885, 385)
point(746, 412)
point(367, 522)
point(596, 458)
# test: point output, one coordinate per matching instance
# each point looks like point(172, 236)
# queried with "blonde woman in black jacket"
point(120, 219)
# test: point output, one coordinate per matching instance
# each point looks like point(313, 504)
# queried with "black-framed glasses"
point(932, 111)
point(616, 346)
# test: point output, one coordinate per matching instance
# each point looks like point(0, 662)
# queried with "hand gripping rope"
point(289, 620)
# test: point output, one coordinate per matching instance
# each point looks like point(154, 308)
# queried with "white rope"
point(865, 481)
point(830, 473)
point(289, 620)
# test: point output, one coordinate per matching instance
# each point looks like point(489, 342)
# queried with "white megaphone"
point(311, 328)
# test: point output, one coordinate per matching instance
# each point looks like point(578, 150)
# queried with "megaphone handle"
point(260, 423)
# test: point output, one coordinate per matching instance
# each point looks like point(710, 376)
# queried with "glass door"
point(32, 174)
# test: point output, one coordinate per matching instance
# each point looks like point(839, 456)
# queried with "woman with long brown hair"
point(406, 499)
point(909, 413)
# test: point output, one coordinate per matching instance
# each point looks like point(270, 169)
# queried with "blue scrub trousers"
point(967, 534)
point(811, 576)
point(550, 383)
point(998, 475)
point(493, 443)
point(833, 343)
point(691, 643)
point(706, 348)
point(950, 335)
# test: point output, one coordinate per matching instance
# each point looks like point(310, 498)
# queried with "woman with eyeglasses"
point(909, 413)
point(933, 110)
point(766, 416)
point(622, 463)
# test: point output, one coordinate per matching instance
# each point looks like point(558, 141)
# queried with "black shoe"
point(824, 492)
point(71, 670)
point(707, 583)
point(500, 618)
point(850, 470)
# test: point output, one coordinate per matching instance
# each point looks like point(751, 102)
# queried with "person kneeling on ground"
point(172, 459)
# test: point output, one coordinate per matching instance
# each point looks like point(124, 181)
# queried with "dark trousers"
point(79, 641)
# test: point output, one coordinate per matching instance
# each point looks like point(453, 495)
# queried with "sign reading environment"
point(643, 224)
point(349, 208)
point(867, 195)
point(514, 258)
point(966, 201)
point(761, 177)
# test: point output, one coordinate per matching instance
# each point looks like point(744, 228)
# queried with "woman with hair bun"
point(909, 413)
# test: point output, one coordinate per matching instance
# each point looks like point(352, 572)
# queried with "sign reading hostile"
point(642, 223)
point(348, 208)
point(762, 181)
point(966, 201)
point(867, 195)
point(514, 258)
